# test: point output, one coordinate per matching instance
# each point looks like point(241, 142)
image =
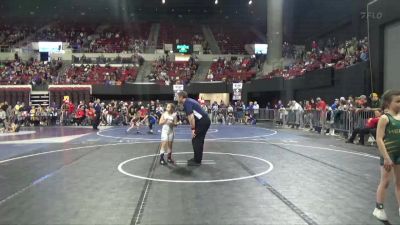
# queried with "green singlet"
point(392, 139)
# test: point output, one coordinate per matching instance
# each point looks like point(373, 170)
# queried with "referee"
point(199, 121)
point(97, 108)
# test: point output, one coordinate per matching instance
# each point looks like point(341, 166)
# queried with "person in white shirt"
point(210, 77)
point(298, 110)
point(3, 117)
point(214, 112)
point(256, 109)
point(230, 119)
point(168, 121)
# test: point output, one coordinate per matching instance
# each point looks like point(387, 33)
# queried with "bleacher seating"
point(99, 75)
point(85, 38)
point(11, 34)
point(165, 71)
point(118, 39)
point(232, 39)
point(232, 70)
point(185, 34)
point(30, 72)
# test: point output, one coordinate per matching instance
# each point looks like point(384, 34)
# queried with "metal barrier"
point(265, 114)
point(339, 120)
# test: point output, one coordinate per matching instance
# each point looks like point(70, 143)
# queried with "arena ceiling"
point(132, 9)
point(302, 18)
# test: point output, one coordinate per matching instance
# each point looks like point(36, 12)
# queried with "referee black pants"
point(202, 127)
point(96, 121)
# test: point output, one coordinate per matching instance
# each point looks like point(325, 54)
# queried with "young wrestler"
point(135, 123)
point(168, 121)
point(388, 140)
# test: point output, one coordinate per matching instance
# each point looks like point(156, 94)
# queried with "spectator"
point(362, 102)
point(335, 105)
point(338, 57)
point(321, 107)
point(214, 112)
point(256, 109)
point(375, 101)
point(364, 55)
point(80, 115)
point(210, 76)
point(250, 108)
point(268, 106)
point(279, 105)
point(308, 117)
point(370, 128)
point(298, 110)
point(3, 117)
point(230, 117)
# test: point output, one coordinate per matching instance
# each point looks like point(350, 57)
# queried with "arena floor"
point(250, 175)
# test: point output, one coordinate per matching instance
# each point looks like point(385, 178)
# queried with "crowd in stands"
point(232, 40)
point(31, 72)
point(10, 35)
point(86, 39)
point(135, 59)
point(165, 71)
point(232, 69)
point(96, 74)
point(84, 71)
point(115, 41)
point(133, 39)
point(330, 54)
point(181, 34)
point(78, 37)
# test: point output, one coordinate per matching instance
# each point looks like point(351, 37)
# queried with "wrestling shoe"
point(162, 161)
point(380, 214)
point(169, 159)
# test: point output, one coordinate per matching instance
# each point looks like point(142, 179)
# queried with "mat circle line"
point(270, 168)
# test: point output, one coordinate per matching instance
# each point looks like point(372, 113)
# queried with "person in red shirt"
point(143, 113)
point(314, 46)
point(321, 105)
point(80, 115)
point(370, 128)
point(321, 108)
point(308, 116)
point(90, 114)
point(71, 108)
